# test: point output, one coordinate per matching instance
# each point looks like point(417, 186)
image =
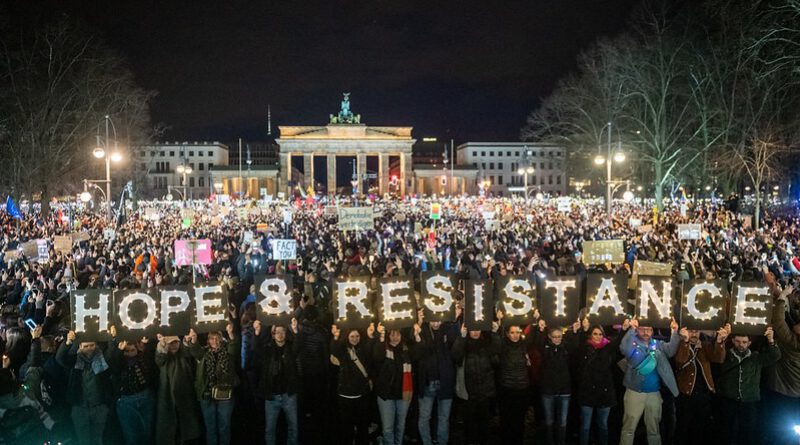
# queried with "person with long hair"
point(214, 382)
point(353, 387)
point(596, 393)
point(555, 384)
point(513, 394)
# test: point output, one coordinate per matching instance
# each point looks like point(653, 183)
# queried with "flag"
point(12, 209)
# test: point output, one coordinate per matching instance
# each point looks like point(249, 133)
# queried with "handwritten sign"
point(653, 269)
point(689, 231)
point(62, 243)
point(190, 252)
point(356, 218)
point(284, 249)
point(605, 251)
point(43, 253)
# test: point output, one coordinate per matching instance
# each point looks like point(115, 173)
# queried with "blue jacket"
point(635, 352)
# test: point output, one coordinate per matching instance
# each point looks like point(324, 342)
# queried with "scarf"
point(217, 366)
point(599, 345)
point(97, 362)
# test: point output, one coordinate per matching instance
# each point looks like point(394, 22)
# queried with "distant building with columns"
point(343, 157)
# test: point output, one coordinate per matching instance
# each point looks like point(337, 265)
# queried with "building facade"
point(498, 165)
point(157, 167)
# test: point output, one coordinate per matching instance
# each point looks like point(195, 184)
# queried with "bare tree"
point(57, 83)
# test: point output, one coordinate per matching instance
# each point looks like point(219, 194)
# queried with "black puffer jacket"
point(314, 355)
point(595, 373)
point(479, 357)
point(554, 371)
point(389, 362)
point(514, 363)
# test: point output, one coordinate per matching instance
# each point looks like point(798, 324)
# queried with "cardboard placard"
point(62, 243)
point(356, 218)
point(751, 308)
point(559, 299)
point(284, 249)
point(689, 231)
point(703, 304)
point(438, 295)
point(605, 298)
point(478, 305)
point(517, 299)
point(653, 269)
point(30, 249)
point(80, 236)
point(604, 251)
point(396, 304)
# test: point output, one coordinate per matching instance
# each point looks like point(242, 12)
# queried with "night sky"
point(469, 70)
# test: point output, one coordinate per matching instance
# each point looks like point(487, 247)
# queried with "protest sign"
point(653, 269)
point(689, 231)
point(191, 252)
point(288, 216)
point(559, 299)
point(80, 236)
point(478, 305)
point(247, 237)
point(136, 314)
point(644, 228)
point(356, 218)
point(109, 234)
point(30, 249)
point(397, 307)
point(187, 213)
point(350, 301)
point(436, 211)
point(604, 251)
point(634, 222)
point(703, 304)
point(151, 214)
point(91, 314)
point(517, 299)
point(655, 301)
point(564, 204)
point(241, 212)
point(751, 308)
point(605, 298)
point(42, 250)
point(262, 227)
point(210, 308)
point(274, 302)
point(62, 243)
point(438, 294)
point(284, 249)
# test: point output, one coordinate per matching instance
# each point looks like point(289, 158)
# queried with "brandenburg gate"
point(346, 136)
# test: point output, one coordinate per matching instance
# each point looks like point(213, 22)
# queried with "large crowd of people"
point(311, 382)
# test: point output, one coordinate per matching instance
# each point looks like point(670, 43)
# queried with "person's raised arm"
point(626, 344)
point(783, 333)
point(772, 353)
point(670, 348)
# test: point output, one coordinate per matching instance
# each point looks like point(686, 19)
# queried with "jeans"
point(636, 405)
point(288, 404)
point(551, 403)
point(429, 395)
point(89, 423)
point(393, 420)
point(136, 413)
point(601, 420)
point(513, 406)
point(217, 417)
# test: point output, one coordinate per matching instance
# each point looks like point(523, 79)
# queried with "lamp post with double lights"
point(526, 168)
point(618, 157)
point(184, 169)
point(104, 150)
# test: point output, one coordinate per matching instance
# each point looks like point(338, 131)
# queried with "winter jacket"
point(479, 357)
point(275, 360)
point(636, 352)
point(740, 375)
point(67, 356)
point(554, 376)
point(314, 349)
point(687, 360)
point(784, 376)
point(514, 363)
point(389, 362)
point(595, 373)
point(201, 385)
point(436, 359)
point(177, 409)
point(352, 382)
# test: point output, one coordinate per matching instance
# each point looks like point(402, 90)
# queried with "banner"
point(356, 218)
point(191, 252)
point(517, 299)
point(605, 251)
point(606, 298)
point(655, 301)
point(478, 305)
point(274, 300)
point(689, 231)
point(351, 306)
point(751, 308)
point(559, 299)
point(284, 249)
point(91, 314)
point(703, 304)
point(438, 294)
point(62, 243)
point(397, 307)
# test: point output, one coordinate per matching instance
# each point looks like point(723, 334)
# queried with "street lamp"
point(618, 157)
point(184, 170)
point(525, 171)
point(101, 151)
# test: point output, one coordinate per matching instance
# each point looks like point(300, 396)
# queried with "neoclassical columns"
point(331, 173)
